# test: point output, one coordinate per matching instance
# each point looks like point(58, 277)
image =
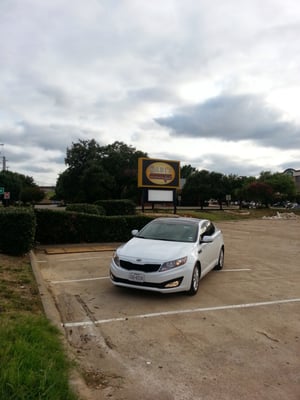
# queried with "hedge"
point(58, 227)
point(17, 227)
point(117, 207)
point(86, 208)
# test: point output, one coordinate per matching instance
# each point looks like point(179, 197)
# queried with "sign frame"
point(158, 173)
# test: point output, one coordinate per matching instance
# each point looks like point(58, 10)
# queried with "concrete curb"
point(76, 380)
point(48, 302)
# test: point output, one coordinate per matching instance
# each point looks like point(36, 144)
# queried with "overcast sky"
point(212, 83)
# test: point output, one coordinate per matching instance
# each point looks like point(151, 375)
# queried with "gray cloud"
point(114, 70)
point(46, 137)
point(234, 118)
point(151, 94)
point(224, 164)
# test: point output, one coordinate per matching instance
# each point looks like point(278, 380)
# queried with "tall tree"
point(99, 172)
point(283, 185)
point(197, 189)
point(82, 153)
point(219, 187)
point(186, 171)
point(121, 161)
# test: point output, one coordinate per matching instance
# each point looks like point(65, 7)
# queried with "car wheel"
point(195, 281)
point(220, 260)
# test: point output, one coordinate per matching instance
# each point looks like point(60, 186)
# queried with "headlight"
point(116, 259)
point(172, 264)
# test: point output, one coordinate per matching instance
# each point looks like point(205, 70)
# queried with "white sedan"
point(169, 255)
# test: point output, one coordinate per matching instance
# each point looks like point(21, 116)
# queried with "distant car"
point(293, 206)
point(280, 204)
point(169, 255)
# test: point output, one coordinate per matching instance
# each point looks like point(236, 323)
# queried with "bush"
point(17, 227)
point(117, 207)
point(86, 208)
point(57, 227)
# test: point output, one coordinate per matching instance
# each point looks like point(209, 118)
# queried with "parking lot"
point(238, 338)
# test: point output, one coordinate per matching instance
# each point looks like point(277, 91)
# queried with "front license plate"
point(136, 276)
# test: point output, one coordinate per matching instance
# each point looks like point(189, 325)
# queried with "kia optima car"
point(169, 255)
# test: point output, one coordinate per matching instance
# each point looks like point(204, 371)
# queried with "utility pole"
point(3, 163)
point(3, 160)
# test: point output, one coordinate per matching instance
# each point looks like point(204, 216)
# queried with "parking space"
point(238, 338)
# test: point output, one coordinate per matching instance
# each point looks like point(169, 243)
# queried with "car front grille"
point(139, 267)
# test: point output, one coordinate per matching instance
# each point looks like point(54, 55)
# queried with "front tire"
point(220, 264)
point(195, 281)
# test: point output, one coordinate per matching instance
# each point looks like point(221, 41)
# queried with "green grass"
point(33, 364)
point(226, 215)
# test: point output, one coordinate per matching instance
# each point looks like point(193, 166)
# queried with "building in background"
point(295, 174)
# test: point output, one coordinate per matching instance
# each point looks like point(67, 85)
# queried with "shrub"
point(86, 208)
point(117, 207)
point(54, 227)
point(17, 227)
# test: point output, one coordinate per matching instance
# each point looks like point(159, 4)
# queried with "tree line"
point(95, 172)
point(268, 188)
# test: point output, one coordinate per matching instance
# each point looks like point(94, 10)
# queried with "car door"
point(209, 250)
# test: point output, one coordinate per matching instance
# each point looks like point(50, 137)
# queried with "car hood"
point(154, 250)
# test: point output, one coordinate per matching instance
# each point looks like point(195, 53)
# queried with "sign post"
point(159, 180)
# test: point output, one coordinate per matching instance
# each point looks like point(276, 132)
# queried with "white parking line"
point(107, 277)
point(235, 270)
point(81, 280)
point(187, 311)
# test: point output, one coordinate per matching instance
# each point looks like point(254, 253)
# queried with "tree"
point(219, 187)
point(121, 161)
point(15, 183)
point(239, 188)
point(186, 171)
point(82, 153)
point(90, 179)
point(99, 172)
point(283, 185)
point(260, 192)
point(31, 194)
point(197, 189)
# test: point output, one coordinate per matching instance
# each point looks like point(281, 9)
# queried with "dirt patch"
point(79, 249)
point(18, 288)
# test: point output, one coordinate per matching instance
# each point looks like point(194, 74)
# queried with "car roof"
point(181, 220)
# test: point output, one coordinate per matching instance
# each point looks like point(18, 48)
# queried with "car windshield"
point(170, 231)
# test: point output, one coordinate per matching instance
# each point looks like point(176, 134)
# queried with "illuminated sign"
point(158, 173)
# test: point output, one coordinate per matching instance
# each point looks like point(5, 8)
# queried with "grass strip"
point(33, 362)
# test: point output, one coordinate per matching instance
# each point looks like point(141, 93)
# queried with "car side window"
point(207, 229)
point(210, 229)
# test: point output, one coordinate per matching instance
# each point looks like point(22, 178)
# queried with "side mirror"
point(206, 239)
point(134, 232)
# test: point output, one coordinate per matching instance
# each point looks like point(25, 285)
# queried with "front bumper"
point(174, 280)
